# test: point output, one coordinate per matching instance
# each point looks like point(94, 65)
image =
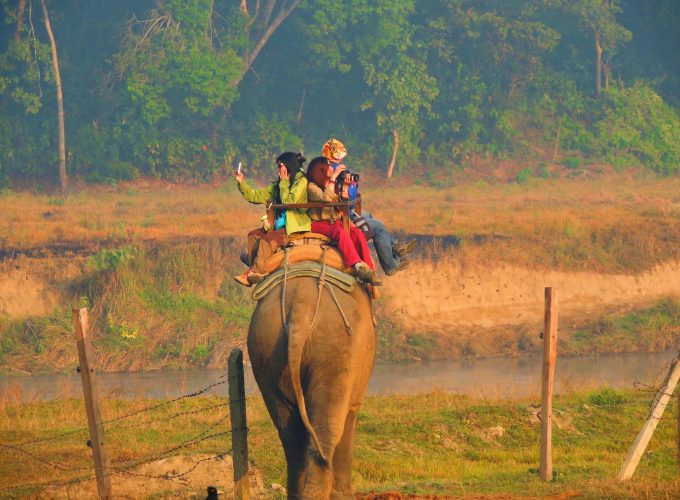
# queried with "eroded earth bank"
point(175, 305)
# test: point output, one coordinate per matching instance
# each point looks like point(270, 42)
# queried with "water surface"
point(494, 378)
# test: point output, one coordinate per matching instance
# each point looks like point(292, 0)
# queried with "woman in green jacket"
point(291, 187)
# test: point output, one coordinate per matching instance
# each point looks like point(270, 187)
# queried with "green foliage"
point(652, 329)
point(638, 124)
point(35, 336)
point(571, 162)
point(110, 259)
point(159, 88)
point(267, 138)
point(524, 175)
point(608, 397)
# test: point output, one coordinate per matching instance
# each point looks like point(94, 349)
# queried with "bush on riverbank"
point(165, 307)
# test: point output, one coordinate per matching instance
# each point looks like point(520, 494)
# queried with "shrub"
point(608, 397)
point(572, 162)
point(110, 259)
point(523, 176)
point(638, 124)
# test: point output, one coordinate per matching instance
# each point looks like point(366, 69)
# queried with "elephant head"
point(312, 349)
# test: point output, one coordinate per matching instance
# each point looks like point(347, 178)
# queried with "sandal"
point(249, 277)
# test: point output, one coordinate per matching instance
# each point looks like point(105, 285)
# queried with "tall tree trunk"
point(269, 29)
point(598, 65)
point(302, 106)
point(63, 178)
point(390, 169)
point(556, 147)
point(607, 74)
point(20, 19)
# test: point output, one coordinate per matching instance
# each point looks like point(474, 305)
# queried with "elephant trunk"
point(297, 338)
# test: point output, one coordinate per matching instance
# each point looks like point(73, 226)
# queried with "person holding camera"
point(291, 187)
point(322, 181)
point(391, 251)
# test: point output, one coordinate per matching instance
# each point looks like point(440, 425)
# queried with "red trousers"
point(352, 246)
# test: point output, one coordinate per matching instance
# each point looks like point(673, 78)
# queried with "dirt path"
point(148, 481)
point(447, 295)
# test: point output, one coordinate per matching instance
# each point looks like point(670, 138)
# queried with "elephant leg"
point(294, 438)
point(342, 459)
point(329, 425)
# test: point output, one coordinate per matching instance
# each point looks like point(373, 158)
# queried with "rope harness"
point(284, 322)
point(329, 278)
point(322, 283)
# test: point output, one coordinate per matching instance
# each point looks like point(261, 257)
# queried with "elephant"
point(312, 350)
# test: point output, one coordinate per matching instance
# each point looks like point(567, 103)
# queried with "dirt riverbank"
point(438, 308)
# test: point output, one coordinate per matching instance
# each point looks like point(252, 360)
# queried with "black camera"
point(351, 180)
point(343, 177)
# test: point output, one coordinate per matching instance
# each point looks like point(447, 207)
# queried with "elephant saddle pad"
point(330, 275)
point(312, 247)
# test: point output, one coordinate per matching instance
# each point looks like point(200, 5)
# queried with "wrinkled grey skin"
point(313, 381)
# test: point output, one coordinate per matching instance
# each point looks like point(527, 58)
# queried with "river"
point(489, 378)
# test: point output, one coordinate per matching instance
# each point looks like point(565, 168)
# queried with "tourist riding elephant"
point(312, 362)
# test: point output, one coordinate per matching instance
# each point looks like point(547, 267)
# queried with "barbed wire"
point(172, 417)
point(172, 477)
point(203, 436)
point(125, 468)
point(51, 484)
point(136, 412)
point(42, 460)
point(52, 438)
point(137, 463)
point(166, 403)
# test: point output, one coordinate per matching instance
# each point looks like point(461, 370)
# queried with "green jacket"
point(297, 220)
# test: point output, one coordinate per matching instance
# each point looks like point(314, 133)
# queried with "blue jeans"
point(382, 240)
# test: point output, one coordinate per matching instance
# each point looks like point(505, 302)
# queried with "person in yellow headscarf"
point(391, 251)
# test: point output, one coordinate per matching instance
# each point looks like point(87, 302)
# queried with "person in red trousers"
point(328, 220)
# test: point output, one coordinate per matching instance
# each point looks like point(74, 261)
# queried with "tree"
point(21, 8)
point(599, 18)
point(63, 177)
point(260, 26)
point(376, 41)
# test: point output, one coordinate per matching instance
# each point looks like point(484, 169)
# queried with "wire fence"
point(200, 425)
point(213, 420)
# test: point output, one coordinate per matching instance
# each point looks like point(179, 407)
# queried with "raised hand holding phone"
point(238, 175)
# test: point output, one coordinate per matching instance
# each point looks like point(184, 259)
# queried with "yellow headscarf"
point(334, 150)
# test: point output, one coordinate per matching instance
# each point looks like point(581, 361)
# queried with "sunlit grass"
point(433, 443)
point(612, 223)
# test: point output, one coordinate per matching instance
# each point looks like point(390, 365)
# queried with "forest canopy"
point(181, 88)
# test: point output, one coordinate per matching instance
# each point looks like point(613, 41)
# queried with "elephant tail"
point(297, 338)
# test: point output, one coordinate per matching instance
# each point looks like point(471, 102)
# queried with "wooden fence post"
point(239, 429)
point(658, 407)
point(549, 356)
point(102, 466)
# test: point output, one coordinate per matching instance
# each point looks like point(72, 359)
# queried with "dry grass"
point(612, 223)
point(427, 444)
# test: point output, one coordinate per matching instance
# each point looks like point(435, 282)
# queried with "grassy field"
point(620, 222)
point(428, 444)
